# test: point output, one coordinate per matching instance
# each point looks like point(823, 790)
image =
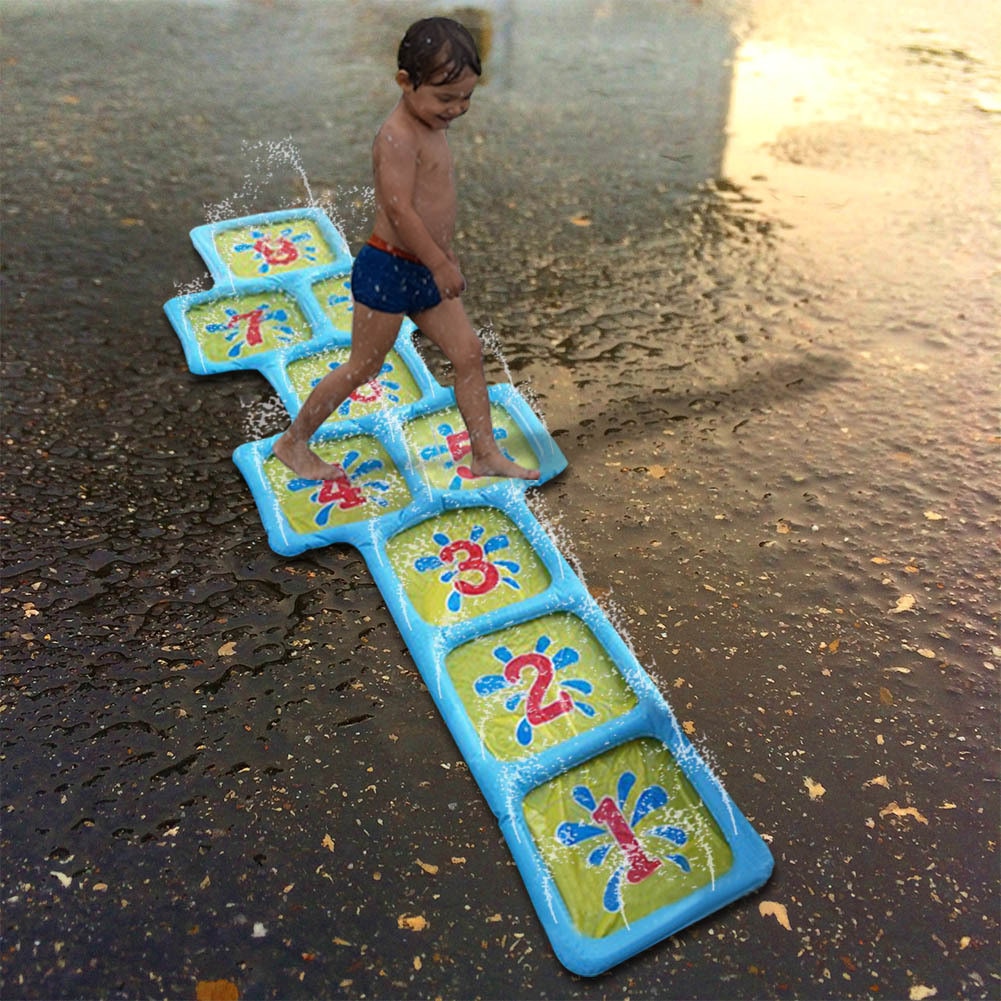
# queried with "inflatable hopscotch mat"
point(621, 832)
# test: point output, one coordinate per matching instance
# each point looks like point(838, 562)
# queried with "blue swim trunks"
point(390, 280)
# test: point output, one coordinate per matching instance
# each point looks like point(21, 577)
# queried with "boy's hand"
point(449, 280)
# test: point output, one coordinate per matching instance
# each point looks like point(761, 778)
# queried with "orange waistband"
point(380, 244)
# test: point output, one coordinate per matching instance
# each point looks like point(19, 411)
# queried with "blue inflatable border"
point(504, 783)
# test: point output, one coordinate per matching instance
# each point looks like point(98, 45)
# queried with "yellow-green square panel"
point(273, 248)
point(465, 563)
point(531, 686)
point(623, 835)
point(440, 443)
point(393, 387)
point(334, 297)
point(370, 486)
point(242, 326)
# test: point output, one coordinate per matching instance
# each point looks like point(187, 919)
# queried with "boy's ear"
point(403, 80)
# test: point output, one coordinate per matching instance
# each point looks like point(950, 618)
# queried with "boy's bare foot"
point(301, 459)
point(498, 465)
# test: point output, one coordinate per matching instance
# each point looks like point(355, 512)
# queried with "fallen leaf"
point(879, 559)
point(227, 649)
point(657, 472)
point(815, 789)
point(688, 726)
point(63, 878)
point(902, 811)
point(327, 842)
point(782, 528)
point(412, 922)
point(933, 516)
point(885, 696)
point(417, 963)
point(833, 645)
point(458, 860)
point(771, 908)
point(919, 992)
point(431, 870)
point(581, 219)
point(926, 653)
point(260, 930)
point(879, 780)
point(216, 990)
point(904, 604)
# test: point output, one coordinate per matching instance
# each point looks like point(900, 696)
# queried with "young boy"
point(408, 266)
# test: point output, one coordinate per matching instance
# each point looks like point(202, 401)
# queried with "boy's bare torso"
point(408, 151)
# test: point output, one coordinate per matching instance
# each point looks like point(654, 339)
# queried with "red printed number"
point(640, 864)
point(536, 711)
point(472, 563)
point(277, 251)
point(342, 492)
point(253, 318)
point(459, 448)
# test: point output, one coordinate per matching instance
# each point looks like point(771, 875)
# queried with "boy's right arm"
point(394, 157)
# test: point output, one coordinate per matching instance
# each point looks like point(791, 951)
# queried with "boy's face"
point(437, 105)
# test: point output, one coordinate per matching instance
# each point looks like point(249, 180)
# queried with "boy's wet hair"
point(439, 49)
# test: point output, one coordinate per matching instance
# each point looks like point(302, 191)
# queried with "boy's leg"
point(447, 326)
point(372, 335)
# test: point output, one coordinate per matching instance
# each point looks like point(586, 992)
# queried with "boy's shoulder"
point(400, 136)
point(398, 126)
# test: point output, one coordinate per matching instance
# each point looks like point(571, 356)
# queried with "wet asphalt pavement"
point(743, 256)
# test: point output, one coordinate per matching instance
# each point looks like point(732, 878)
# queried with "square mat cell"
point(264, 248)
point(624, 835)
point(532, 686)
point(238, 327)
point(440, 444)
point(370, 487)
point(394, 386)
point(464, 563)
point(334, 296)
